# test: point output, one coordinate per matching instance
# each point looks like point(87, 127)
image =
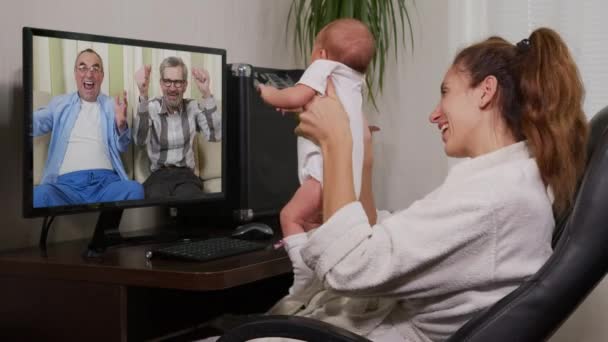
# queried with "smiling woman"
point(464, 130)
point(535, 92)
point(420, 273)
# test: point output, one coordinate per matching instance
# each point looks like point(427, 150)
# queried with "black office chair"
point(537, 308)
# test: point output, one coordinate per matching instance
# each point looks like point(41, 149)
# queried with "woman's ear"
point(489, 88)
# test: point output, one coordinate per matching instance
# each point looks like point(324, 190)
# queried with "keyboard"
point(205, 250)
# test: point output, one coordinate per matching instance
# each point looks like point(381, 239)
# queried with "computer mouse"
point(253, 231)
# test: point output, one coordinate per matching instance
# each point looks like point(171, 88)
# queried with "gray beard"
point(174, 106)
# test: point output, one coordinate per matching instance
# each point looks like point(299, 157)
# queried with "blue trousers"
point(87, 186)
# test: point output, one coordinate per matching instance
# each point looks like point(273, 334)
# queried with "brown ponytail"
point(554, 122)
point(540, 95)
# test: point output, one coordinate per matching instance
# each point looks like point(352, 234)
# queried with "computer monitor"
point(157, 133)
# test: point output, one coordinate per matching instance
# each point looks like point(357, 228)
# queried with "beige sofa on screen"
point(207, 159)
point(207, 155)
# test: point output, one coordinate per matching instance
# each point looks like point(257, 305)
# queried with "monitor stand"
point(106, 234)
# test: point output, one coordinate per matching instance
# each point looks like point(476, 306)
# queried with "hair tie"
point(523, 45)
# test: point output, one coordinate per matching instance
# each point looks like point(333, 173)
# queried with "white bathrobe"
point(421, 273)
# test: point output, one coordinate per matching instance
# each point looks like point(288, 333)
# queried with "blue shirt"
point(59, 116)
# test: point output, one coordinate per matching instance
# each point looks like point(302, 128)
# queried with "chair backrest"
point(535, 310)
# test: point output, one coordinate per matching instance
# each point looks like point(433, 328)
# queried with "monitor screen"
point(117, 123)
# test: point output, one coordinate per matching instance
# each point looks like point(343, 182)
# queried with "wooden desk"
point(124, 296)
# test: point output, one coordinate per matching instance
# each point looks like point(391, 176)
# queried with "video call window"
point(169, 147)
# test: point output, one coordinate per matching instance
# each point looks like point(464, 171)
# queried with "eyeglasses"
point(176, 83)
point(83, 69)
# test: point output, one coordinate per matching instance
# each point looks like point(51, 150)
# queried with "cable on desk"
point(44, 232)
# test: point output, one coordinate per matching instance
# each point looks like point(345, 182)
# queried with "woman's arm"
point(423, 248)
point(338, 182)
point(366, 197)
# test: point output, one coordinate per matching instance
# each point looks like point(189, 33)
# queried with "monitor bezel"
point(209, 203)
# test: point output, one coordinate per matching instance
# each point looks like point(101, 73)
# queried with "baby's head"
point(347, 41)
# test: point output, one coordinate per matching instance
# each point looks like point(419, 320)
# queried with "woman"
point(516, 111)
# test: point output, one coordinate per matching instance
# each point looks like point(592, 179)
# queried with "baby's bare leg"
point(303, 211)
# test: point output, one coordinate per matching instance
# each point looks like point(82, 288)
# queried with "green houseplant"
point(388, 20)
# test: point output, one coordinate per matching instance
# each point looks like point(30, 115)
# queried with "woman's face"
point(458, 115)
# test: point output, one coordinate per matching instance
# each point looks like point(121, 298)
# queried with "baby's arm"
point(287, 98)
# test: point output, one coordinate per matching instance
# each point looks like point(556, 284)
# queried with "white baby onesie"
point(347, 83)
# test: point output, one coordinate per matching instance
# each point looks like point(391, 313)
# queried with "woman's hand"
point(324, 121)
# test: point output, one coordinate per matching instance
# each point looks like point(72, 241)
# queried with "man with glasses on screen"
point(167, 125)
point(88, 132)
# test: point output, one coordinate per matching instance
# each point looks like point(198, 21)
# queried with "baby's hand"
point(258, 86)
point(266, 91)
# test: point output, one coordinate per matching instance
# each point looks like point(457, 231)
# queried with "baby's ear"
point(323, 53)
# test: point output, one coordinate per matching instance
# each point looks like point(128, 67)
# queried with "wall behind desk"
point(408, 150)
point(251, 31)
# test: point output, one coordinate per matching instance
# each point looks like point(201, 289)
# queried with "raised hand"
point(120, 111)
point(201, 78)
point(324, 118)
point(142, 78)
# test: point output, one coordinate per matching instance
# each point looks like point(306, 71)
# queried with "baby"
point(342, 50)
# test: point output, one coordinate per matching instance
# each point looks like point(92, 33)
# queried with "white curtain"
point(581, 23)
point(131, 61)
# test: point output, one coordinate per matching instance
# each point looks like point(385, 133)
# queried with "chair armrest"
point(302, 328)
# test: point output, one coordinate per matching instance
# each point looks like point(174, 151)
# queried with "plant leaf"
point(380, 16)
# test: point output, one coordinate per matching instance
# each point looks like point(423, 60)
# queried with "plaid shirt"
point(169, 137)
